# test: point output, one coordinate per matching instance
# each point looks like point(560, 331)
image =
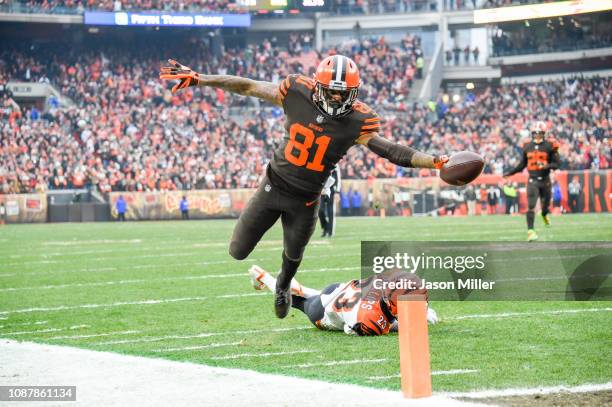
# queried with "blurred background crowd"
point(124, 131)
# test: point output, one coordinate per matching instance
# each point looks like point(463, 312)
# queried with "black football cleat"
point(282, 302)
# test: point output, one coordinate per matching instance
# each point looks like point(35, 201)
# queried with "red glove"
point(439, 161)
point(186, 75)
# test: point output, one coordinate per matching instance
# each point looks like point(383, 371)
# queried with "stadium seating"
point(126, 131)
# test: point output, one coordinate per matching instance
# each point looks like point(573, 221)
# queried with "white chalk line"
point(125, 303)
point(87, 242)
point(260, 355)
point(25, 324)
point(338, 363)
point(153, 280)
point(201, 335)
point(159, 266)
point(47, 330)
point(95, 335)
point(181, 251)
point(521, 314)
point(433, 373)
point(584, 388)
point(464, 317)
point(208, 346)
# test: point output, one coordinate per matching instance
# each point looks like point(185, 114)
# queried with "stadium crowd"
point(126, 131)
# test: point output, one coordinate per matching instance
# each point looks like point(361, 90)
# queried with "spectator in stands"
point(456, 53)
point(476, 53)
point(121, 208)
point(184, 207)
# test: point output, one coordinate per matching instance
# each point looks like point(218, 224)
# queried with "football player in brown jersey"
point(540, 156)
point(323, 120)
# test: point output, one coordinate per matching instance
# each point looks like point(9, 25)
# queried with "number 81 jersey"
point(314, 141)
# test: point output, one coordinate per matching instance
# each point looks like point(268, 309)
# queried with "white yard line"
point(25, 324)
point(43, 331)
point(202, 335)
point(261, 355)
point(95, 335)
point(157, 382)
point(585, 388)
point(124, 303)
point(433, 373)
point(152, 280)
point(521, 314)
point(40, 273)
point(210, 345)
point(339, 362)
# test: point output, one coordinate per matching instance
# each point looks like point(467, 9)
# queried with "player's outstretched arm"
point(243, 86)
point(398, 154)
point(520, 167)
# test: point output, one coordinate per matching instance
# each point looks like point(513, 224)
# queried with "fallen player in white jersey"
point(340, 307)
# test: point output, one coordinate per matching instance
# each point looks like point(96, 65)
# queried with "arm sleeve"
point(396, 153)
point(520, 167)
point(554, 161)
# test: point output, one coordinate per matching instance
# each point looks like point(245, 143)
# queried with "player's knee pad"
point(239, 251)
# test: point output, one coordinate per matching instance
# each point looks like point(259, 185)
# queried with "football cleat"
point(282, 301)
point(546, 219)
point(256, 273)
point(531, 235)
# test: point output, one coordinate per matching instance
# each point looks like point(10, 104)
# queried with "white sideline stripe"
point(259, 355)
point(24, 324)
point(584, 388)
point(210, 345)
point(42, 331)
point(520, 314)
point(201, 335)
point(150, 280)
point(433, 373)
point(95, 335)
point(340, 362)
point(124, 303)
point(161, 382)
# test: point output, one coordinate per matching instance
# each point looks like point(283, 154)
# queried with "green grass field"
point(170, 290)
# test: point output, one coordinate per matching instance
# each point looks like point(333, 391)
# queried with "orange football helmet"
point(538, 127)
point(336, 85)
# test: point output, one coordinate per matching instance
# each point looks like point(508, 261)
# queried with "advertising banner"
point(25, 208)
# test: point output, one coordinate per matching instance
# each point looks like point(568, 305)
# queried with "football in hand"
point(462, 168)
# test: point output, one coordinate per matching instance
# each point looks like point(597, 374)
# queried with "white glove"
point(432, 317)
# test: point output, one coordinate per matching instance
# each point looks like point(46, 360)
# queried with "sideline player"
point(540, 156)
point(323, 120)
point(327, 206)
point(340, 307)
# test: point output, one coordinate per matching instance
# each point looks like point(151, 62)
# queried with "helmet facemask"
point(324, 97)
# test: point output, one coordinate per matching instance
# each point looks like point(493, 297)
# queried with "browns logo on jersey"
point(314, 141)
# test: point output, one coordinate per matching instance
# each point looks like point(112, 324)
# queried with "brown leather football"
point(462, 168)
